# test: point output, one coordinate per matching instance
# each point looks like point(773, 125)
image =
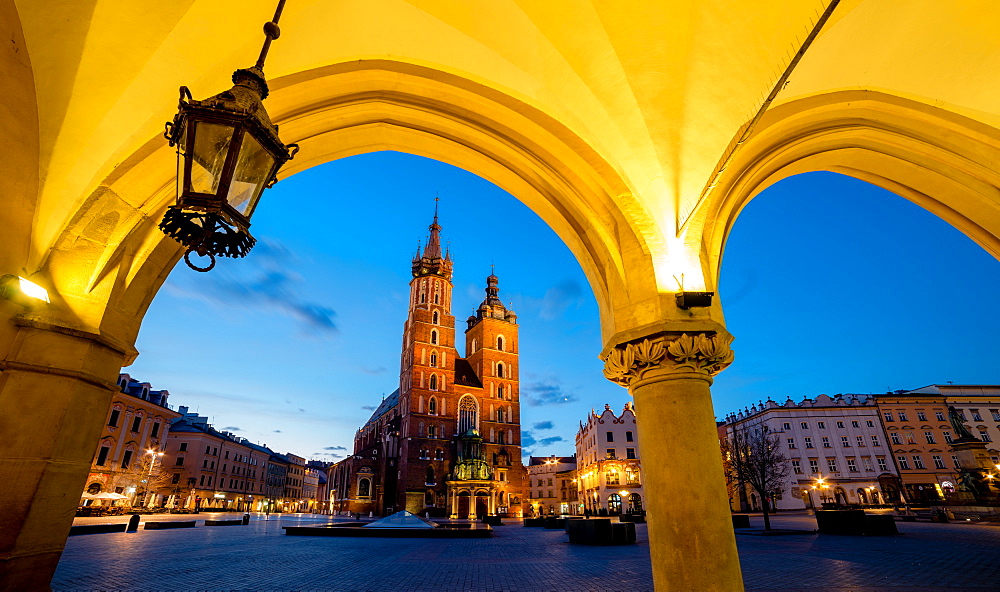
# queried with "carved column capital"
point(669, 353)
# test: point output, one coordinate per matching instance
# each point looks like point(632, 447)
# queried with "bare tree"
point(732, 479)
point(141, 479)
point(757, 460)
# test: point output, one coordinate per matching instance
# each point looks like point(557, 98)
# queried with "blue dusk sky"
point(830, 285)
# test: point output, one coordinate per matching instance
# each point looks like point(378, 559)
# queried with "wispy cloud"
point(329, 454)
point(277, 431)
point(542, 425)
point(335, 448)
point(368, 407)
point(375, 371)
point(548, 393)
point(527, 439)
point(232, 429)
point(267, 280)
point(550, 440)
point(558, 298)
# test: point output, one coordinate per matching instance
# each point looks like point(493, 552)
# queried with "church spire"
point(433, 249)
point(430, 261)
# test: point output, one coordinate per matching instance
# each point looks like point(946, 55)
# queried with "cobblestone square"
point(940, 557)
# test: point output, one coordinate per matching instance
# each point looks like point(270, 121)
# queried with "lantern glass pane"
point(211, 145)
point(253, 169)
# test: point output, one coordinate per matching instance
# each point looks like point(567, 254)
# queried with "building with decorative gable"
point(447, 442)
point(608, 467)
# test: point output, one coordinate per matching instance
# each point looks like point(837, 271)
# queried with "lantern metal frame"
point(207, 223)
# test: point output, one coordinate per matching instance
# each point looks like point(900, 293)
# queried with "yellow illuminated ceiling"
point(648, 95)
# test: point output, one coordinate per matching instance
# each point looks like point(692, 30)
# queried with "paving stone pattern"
point(939, 557)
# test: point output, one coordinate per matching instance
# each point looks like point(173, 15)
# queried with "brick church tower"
point(448, 441)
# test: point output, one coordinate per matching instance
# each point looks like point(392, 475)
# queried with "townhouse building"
point(608, 463)
point(137, 422)
point(550, 481)
point(836, 447)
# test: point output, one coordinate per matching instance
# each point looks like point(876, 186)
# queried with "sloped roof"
point(465, 375)
point(387, 404)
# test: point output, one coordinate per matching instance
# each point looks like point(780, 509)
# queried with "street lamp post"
point(149, 475)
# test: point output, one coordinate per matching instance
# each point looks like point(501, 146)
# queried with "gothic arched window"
point(500, 391)
point(500, 343)
point(434, 337)
point(364, 488)
point(435, 318)
point(434, 360)
point(434, 382)
point(430, 475)
point(499, 369)
point(432, 407)
point(467, 414)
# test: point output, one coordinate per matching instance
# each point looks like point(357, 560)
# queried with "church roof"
point(465, 375)
point(387, 404)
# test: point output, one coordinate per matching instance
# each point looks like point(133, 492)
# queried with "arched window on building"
point(429, 499)
point(614, 504)
point(432, 407)
point(434, 360)
point(435, 318)
point(467, 411)
point(503, 459)
point(364, 488)
point(499, 391)
point(499, 369)
point(430, 476)
point(500, 343)
point(500, 415)
point(431, 431)
point(611, 477)
point(423, 298)
point(472, 349)
point(501, 437)
point(434, 337)
point(434, 382)
point(631, 476)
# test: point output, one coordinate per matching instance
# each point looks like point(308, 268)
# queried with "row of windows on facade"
point(629, 437)
point(901, 415)
point(901, 460)
point(214, 451)
point(436, 383)
point(136, 423)
point(921, 416)
point(500, 415)
point(612, 476)
point(909, 438)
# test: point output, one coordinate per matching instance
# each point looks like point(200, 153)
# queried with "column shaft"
point(691, 539)
point(55, 390)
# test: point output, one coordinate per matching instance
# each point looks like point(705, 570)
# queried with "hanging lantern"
point(228, 152)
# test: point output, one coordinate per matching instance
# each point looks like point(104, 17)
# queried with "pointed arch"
point(468, 414)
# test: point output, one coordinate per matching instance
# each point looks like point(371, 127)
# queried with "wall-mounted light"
point(26, 293)
point(686, 300)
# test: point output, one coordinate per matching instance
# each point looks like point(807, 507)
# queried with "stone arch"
point(935, 158)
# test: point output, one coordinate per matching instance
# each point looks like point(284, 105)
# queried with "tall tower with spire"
point(448, 441)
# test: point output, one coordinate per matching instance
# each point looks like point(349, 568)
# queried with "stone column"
point(691, 539)
point(55, 390)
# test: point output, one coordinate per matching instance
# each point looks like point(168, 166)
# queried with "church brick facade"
point(447, 442)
